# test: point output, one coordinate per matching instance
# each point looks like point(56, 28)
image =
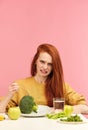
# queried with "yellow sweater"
point(29, 86)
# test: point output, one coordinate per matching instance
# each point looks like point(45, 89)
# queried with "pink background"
point(24, 24)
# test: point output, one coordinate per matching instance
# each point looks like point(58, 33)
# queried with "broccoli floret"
point(27, 104)
point(35, 108)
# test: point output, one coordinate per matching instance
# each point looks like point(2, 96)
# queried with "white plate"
point(65, 122)
point(85, 120)
point(42, 111)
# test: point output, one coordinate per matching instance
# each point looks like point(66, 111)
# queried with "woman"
point(47, 81)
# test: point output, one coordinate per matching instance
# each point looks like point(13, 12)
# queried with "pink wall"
point(26, 24)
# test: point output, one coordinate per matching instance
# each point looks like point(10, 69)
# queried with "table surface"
point(40, 123)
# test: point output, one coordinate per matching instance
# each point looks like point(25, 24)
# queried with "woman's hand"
point(80, 109)
point(12, 89)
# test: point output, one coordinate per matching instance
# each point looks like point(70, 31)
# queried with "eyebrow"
point(45, 61)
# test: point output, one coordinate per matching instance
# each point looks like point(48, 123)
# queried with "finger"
point(13, 86)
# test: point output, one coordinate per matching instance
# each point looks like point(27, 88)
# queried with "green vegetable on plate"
point(56, 115)
point(72, 118)
point(27, 105)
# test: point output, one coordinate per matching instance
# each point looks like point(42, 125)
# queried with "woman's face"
point(44, 64)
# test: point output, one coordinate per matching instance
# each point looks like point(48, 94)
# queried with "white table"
point(42, 123)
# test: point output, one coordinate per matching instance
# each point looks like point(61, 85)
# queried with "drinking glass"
point(58, 104)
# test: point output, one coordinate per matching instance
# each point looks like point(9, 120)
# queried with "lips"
point(44, 71)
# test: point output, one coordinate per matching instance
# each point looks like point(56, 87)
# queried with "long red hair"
point(55, 80)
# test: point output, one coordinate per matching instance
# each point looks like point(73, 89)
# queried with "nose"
point(45, 66)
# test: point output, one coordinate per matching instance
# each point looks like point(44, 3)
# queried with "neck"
point(40, 79)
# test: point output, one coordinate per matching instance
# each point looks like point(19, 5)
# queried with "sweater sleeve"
point(72, 97)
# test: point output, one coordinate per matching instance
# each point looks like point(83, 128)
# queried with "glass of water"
point(58, 104)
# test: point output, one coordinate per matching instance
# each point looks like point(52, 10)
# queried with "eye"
point(42, 61)
point(49, 64)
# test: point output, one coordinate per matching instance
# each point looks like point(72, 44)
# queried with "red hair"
point(55, 80)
